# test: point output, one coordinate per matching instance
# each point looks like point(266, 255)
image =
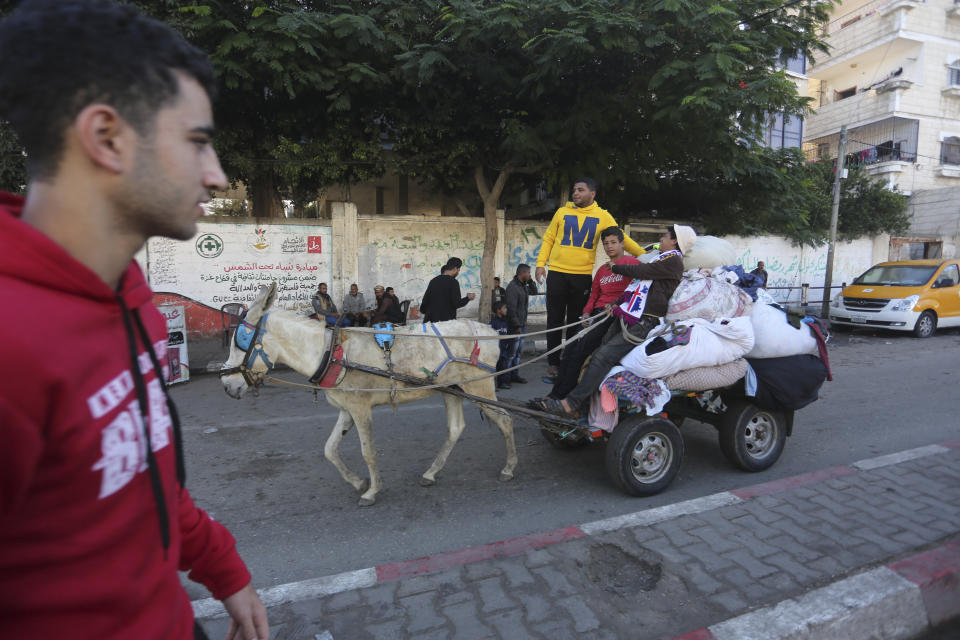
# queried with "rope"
point(429, 335)
point(562, 344)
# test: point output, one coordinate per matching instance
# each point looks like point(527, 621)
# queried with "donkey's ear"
point(263, 302)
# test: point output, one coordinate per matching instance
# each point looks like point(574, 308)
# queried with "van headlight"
point(837, 298)
point(904, 304)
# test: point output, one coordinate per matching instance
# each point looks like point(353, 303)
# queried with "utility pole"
point(834, 213)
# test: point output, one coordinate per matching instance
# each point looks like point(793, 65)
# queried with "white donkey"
point(270, 336)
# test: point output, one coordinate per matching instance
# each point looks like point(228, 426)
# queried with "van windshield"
point(897, 275)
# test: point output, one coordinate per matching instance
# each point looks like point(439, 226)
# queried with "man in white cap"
point(640, 309)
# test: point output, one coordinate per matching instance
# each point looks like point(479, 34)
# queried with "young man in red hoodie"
point(114, 112)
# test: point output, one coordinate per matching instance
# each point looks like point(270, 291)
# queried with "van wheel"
point(926, 324)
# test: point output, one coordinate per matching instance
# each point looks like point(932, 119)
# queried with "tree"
point(782, 194)
point(638, 94)
point(300, 85)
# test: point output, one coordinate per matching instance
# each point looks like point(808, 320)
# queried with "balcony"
point(869, 27)
point(863, 107)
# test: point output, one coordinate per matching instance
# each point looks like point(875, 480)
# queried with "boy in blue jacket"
point(499, 324)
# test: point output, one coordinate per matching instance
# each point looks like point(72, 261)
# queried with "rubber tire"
point(660, 435)
point(573, 441)
point(926, 324)
point(738, 428)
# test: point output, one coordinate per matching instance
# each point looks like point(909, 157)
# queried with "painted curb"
point(900, 600)
point(896, 601)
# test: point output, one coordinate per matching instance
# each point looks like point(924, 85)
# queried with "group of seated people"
point(354, 311)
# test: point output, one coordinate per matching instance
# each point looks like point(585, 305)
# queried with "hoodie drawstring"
point(152, 469)
point(171, 407)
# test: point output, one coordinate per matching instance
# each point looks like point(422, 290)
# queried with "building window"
point(823, 150)
point(783, 131)
point(950, 150)
point(846, 93)
point(953, 73)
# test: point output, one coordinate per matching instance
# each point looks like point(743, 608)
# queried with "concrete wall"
point(791, 266)
point(229, 261)
point(935, 215)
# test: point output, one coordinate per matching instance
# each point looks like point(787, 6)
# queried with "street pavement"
point(865, 550)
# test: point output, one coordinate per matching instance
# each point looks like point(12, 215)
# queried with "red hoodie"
point(81, 553)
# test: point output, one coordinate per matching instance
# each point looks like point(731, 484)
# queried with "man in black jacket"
point(517, 298)
point(642, 307)
point(442, 297)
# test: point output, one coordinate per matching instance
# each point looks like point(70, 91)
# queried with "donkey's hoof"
point(506, 476)
point(427, 482)
point(366, 502)
point(363, 486)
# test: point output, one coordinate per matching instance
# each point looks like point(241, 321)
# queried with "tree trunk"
point(491, 197)
point(264, 198)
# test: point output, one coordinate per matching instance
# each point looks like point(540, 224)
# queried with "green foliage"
point(301, 83)
point(638, 94)
point(781, 194)
point(227, 207)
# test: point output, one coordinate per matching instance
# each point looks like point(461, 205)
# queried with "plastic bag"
point(774, 337)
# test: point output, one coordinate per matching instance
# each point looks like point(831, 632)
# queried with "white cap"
point(686, 237)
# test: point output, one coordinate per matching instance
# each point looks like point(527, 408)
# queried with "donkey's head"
point(253, 351)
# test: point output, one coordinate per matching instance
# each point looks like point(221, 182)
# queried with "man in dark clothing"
point(517, 299)
point(387, 306)
point(760, 272)
point(442, 297)
point(642, 307)
point(498, 295)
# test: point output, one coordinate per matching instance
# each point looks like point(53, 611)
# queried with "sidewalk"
point(869, 550)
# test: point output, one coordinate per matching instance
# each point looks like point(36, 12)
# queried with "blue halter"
point(249, 338)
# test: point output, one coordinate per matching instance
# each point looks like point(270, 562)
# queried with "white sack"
point(707, 297)
point(709, 252)
point(711, 343)
point(775, 337)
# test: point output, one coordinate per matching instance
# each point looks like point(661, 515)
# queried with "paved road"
point(257, 464)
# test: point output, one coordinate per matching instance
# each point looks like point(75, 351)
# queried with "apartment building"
point(893, 78)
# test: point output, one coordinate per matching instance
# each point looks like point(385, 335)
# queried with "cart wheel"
point(644, 455)
point(752, 438)
point(575, 440)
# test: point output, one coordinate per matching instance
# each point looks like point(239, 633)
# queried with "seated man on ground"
point(606, 290)
point(642, 307)
point(355, 307)
point(387, 306)
point(324, 307)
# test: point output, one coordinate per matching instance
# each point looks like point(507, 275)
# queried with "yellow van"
point(907, 295)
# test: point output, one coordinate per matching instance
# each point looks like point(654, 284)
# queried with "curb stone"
point(898, 600)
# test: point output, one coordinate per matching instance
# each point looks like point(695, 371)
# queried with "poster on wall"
point(234, 262)
point(179, 364)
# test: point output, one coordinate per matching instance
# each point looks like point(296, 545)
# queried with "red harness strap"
point(329, 379)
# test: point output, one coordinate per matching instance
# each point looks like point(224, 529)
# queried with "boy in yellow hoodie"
point(570, 247)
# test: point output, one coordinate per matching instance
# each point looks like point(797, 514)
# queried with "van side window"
point(950, 276)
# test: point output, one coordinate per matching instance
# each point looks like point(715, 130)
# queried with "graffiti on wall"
point(233, 262)
point(522, 247)
point(394, 257)
point(790, 267)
